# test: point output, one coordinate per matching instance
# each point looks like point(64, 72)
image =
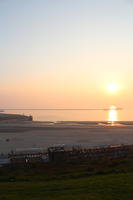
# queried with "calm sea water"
point(64, 115)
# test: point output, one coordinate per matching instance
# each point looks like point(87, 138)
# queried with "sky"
point(64, 53)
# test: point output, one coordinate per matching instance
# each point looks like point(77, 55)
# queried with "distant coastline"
point(17, 117)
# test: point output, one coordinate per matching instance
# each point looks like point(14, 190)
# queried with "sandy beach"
point(44, 134)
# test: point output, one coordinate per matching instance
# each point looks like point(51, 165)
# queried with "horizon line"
point(95, 109)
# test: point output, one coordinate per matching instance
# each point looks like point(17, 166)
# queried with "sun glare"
point(113, 88)
point(112, 114)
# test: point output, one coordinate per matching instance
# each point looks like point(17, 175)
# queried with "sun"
point(113, 88)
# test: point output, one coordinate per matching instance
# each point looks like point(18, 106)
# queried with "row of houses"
point(64, 153)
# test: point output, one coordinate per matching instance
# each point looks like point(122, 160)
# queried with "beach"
point(44, 134)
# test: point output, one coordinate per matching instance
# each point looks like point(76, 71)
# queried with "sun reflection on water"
point(112, 116)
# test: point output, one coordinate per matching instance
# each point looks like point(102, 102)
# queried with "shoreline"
point(34, 134)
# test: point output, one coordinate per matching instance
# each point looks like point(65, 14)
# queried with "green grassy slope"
point(98, 180)
point(103, 187)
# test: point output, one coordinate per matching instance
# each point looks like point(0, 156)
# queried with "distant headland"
point(14, 117)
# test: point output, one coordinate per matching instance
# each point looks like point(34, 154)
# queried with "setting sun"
point(113, 88)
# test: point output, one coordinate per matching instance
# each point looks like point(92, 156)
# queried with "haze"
point(64, 53)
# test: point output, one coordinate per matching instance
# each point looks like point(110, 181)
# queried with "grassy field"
point(98, 180)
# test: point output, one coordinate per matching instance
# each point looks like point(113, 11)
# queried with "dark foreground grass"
point(103, 187)
point(100, 180)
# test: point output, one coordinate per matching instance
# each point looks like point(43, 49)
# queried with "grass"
point(108, 187)
point(98, 180)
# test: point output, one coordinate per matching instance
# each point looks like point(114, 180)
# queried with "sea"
point(62, 114)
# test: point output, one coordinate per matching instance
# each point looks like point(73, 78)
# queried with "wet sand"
point(45, 134)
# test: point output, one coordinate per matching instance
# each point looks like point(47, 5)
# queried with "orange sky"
point(63, 54)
